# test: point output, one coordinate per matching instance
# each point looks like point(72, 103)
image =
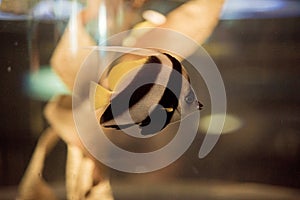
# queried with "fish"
point(154, 89)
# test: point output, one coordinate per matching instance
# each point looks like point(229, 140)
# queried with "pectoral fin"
point(169, 109)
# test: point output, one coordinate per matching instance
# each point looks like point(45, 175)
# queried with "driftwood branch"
point(196, 19)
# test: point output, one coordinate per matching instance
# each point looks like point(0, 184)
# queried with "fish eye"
point(190, 98)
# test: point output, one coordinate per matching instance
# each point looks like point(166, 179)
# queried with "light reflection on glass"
point(73, 28)
point(242, 9)
point(102, 21)
point(232, 123)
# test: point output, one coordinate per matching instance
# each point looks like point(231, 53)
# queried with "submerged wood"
point(84, 178)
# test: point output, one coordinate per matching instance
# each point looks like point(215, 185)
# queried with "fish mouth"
point(199, 105)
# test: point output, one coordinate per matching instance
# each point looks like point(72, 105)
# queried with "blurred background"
point(256, 47)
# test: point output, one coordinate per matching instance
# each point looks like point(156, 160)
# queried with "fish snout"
point(199, 105)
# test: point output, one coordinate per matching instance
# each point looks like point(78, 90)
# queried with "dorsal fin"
point(127, 50)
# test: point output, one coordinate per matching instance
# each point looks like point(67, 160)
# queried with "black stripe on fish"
point(168, 99)
point(144, 73)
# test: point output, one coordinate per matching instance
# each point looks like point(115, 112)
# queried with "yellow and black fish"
point(154, 89)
